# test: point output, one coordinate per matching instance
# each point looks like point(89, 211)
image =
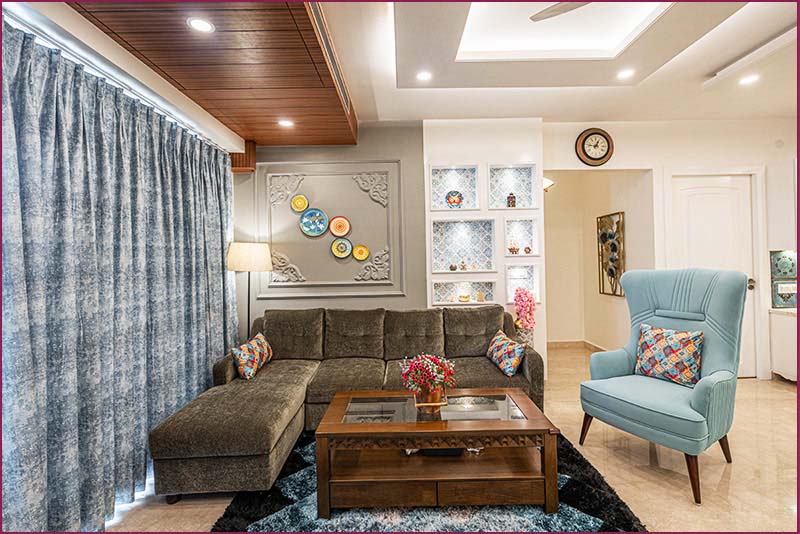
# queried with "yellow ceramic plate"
point(360, 252)
point(299, 203)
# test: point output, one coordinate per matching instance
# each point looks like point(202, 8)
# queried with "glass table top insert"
point(459, 408)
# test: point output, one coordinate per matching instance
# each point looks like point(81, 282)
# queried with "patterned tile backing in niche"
point(448, 292)
point(526, 276)
point(446, 179)
point(523, 232)
point(469, 241)
point(505, 180)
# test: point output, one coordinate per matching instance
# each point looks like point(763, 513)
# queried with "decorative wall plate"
point(313, 222)
point(341, 247)
point(299, 203)
point(454, 199)
point(361, 252)
point(784, 263)
point(340, 226)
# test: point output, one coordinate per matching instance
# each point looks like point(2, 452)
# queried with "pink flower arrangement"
point(525, 306)
point(427, 373)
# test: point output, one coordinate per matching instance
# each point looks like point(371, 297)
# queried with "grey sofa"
point(237, 435)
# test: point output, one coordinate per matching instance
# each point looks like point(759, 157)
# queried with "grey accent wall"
point(394, 141)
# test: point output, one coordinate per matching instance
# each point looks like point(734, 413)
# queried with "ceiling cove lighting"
point(625, 74)
point(286, 123)
point(749, 79)
point(200, 25)
point(424, 76)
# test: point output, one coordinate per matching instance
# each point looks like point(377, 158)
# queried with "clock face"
point(595, 146)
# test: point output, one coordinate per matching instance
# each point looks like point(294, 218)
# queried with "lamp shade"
point(249, 257)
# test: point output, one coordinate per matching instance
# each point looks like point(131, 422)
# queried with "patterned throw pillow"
point(506, 353)
point(669, 354)
point(252, 356)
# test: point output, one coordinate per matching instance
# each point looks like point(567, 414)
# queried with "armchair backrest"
point(691, 299)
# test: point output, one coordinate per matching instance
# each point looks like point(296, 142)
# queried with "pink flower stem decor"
point(525, 306)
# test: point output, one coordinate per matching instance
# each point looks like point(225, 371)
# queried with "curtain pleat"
point(116, 301)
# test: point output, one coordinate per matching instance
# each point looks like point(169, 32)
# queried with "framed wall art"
point(611, 252)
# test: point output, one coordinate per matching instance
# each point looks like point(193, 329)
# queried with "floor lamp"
point(250, 258)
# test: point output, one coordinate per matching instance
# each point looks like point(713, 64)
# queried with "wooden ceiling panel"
point(264, 62)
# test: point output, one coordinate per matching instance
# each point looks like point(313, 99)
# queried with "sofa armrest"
point(713, 397)
point(610, 364)
point(533, 370)
point(224, 370)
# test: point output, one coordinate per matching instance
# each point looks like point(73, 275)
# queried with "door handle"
point(751, 284)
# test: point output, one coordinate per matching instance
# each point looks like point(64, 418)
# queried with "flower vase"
point(429, 397)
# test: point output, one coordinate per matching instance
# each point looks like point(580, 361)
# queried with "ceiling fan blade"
point(556, 10)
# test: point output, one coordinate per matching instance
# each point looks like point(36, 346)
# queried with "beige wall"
point(577, 310)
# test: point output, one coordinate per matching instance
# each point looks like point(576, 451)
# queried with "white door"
point(711, 226)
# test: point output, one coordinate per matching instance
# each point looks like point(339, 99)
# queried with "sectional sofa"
point(237, 435)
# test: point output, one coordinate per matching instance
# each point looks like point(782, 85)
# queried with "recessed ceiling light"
point(286, 123)
point(625, 74)
point(201, 25)
point(749, 79)
point(424, 76)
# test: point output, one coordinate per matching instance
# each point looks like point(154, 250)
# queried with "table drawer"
point(372, 494)
point(484, 492)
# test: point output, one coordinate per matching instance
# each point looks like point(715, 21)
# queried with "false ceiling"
point(383, 46)
point(264, 63)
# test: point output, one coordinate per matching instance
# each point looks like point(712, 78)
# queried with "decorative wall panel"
point(457, 179)
point(367, 194)
point(453, 293)
point(526, 276)
point(522, 237)
point(463, 245)
point(517, 181)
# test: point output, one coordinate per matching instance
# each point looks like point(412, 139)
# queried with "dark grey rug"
point(587, 503)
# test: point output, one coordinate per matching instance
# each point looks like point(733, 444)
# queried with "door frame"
point(761, 269)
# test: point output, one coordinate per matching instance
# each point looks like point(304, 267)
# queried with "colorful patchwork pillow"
point(252, 356)
point(669, 354)
point(506, 353)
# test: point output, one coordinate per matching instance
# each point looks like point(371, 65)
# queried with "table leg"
point(550, 474)
point(323, 479)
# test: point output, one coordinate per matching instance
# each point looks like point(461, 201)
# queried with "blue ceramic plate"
point(313, 222)
point(341, 247)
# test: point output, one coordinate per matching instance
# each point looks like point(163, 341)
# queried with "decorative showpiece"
point(783, 263)
point(527, 250)
point(283, 270)
point(611, 252)
point(457, 179)
point(784, 294)
point(361, 252)
point(377, 269)
point(522, 234)
point(454, 199)
point(340, 226)
point(313, 222)
point(480, 296)
point(594, 147)
point(513, 186)
point(448, 292)
point(511, 201)
point(283, 186)
point(464, 297)
point(463, 265)
point(376, 184)
point(341, 247)
point(513, 247)
point(427, 376)
point(453, 240)
point(299, 203)
point(453, 267)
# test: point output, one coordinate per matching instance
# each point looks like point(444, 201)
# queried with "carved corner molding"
point(283, 270)
point(283, 186)
point(437, 442)
point(377, 269)
point(376, 185)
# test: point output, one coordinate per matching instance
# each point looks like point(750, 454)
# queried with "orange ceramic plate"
point(339, 226)
point(360, 252)
point(299, 203)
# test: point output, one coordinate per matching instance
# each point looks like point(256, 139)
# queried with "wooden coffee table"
point(509, 452)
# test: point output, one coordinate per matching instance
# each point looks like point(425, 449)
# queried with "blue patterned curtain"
point(116, 300)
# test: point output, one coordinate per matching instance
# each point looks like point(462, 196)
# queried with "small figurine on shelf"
point(453, 267)
point(480, 296)
point(513, 247)
point(527, 250)
point(474, 267)
point(464, 298)
point(463, 265)
point(511, 201)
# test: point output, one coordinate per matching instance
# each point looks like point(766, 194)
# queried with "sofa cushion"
point(413, 332)
point(294, 334)
point(354, 333)
point(468, 331)
point(241, 418)
point(506, 353)
point(648, 401)
point(342, 374)
point(471, 372)
point(251, 356)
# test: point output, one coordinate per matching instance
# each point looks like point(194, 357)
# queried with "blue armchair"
point(683, 418)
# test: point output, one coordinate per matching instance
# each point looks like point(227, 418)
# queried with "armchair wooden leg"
point(694, 476)
point(172, 499)
point(587, 420)
point(726, 450)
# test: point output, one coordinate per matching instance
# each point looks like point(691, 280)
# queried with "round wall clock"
point(594, 147)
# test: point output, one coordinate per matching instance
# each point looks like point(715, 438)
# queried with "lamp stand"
point(247, 334)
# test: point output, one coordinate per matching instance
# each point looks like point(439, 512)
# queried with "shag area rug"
point(586, 503)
